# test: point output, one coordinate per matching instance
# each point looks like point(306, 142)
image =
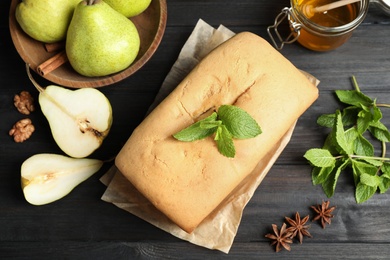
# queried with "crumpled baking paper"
point(219, 229)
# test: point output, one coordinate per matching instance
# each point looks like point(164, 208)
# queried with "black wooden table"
point(82, 226)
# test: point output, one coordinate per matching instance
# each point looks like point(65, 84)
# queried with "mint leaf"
point(330, 144)
point(225, 142)
point(238, 122)
point(210, 124)
point(349, 115)
point(321, 174)
point(363, 121)
point(370, 180)
point(359, 168)
point(351, 135)
point(364, 168)
point(384, 184)
point(367, 166)
point(195, 131)
point(350, 147)
point(363, 147)
point(376, 114)
point(329, 186)
point(316, 175)
point(364, 192)
point(355, 98)
point(230, 122)
point(374, 162)
point(386, 170)
point(320, 157)
point(341, 139)
point(326, 120)
point(385, 178)
point(379, 131)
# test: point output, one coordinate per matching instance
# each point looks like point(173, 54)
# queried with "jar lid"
point(384, 5)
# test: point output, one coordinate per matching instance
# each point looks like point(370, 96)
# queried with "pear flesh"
point(100, 41)
point(50, 177)
point(129, 8)
point(79, 119)
point(45, 20)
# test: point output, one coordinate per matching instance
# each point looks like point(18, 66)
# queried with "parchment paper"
point(218, 230)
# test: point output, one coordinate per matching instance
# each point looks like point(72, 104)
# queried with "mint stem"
point(355, 84)
point(383, 155)
point(383, 105)
point(364, 157)
point(370, 157)
point(383, 149)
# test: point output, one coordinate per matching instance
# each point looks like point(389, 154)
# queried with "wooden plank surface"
point(81, 226)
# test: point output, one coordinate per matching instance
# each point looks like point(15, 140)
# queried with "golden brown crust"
point(187, 181)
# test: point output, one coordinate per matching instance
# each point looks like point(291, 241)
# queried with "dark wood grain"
point(81, 226)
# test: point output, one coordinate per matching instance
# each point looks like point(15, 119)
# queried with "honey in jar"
point(325, 30)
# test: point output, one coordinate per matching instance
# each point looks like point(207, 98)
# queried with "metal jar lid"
point(383, 4)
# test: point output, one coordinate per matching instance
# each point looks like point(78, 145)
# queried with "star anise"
point(281, 238)
point(298, 227)
point(324, 213)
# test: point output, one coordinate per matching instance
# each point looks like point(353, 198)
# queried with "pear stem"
point(36, 85)
point(91, 2)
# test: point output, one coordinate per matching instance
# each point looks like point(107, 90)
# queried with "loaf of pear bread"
point(186, 181)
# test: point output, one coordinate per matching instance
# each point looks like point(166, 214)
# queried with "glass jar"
point(319, 31)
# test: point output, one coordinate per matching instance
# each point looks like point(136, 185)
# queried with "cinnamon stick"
point(55, 46)
point(52, 63)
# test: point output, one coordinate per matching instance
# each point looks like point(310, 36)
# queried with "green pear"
point(79, 119)
point(45, 20)
point(49, 177)
point(100, 41)
point(129, 8)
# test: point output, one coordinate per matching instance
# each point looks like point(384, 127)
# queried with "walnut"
point(24, 102)
point(22, 130)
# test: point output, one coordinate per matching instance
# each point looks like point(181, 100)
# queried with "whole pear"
point(100, 41)
point(129, 8)
point(45, 20)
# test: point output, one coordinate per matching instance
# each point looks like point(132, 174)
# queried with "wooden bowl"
point(150, 24)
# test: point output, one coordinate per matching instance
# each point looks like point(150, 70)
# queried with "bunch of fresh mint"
point(347, 147)
point(228, 123)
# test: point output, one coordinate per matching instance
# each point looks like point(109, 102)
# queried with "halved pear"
point(50, 177)
point(79, 119)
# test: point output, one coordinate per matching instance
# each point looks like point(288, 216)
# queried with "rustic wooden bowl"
point(150, 24)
